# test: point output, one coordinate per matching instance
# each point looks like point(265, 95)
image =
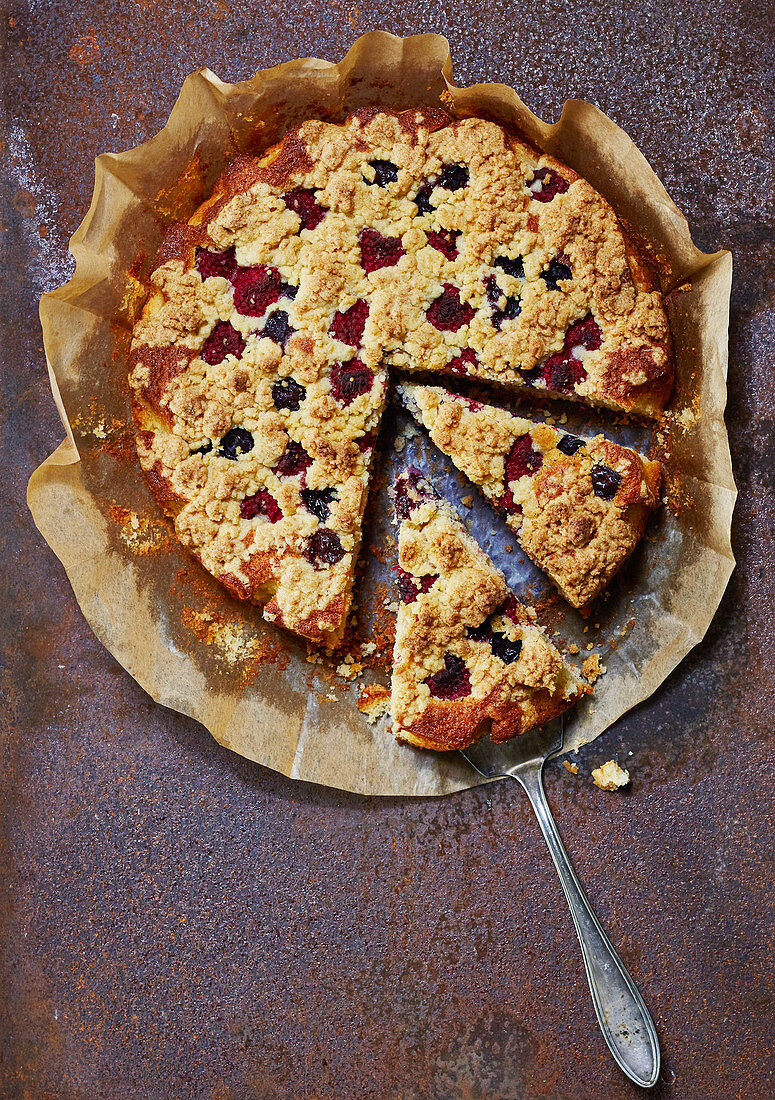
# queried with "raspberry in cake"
point(469, 658)
point(258, 365)
point(578, 506)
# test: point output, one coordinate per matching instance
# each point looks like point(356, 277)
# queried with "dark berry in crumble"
point(556, 273)
point(494, 292)
point(409, 587)
point(547, 184)
point(444, 241)
point(277, 327)
point(463, 362)
point(378, 251)
point(585, 333)
point(453, 177)
point(236, 442)
point(533, 376)
point(453, 681)
point(211, 264)
point(255, 289)
point(563, 372)
point(302, 201)
point(422, 199)
point(569, 444)
point(295, 460)
point(412, 481)
point(510, 267)
point(223, 340)
point(504, 649)
point(350, 380)
point(366, 442)
point(522, 459)
point(447, 313)
point(511, 309)
point(261, 503)
point(605, 481)
point(323, 548)
point(288, 394)
point(385, 172)
point(318, 501)
point(288, 290)
point(348, 326)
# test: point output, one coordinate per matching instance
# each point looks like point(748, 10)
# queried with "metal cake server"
point(623, 1017)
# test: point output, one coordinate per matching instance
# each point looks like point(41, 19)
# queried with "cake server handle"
point(623, 1017)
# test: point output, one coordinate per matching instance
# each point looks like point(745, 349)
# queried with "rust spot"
point(85, 50)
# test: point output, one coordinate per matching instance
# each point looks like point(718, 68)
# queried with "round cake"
point(407, 241)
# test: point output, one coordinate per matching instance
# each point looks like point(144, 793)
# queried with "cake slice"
point(578, 506)
point(469, 658)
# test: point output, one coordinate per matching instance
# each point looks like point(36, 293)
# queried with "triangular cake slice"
point(578, 506)
point(469, 658)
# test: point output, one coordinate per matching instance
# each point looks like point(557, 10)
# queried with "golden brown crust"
point(420, 223)
point(469, 659)
point(578, 516)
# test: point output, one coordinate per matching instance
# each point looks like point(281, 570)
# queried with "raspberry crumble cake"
point(578, 506)
point(469, 658)
point(258, 365)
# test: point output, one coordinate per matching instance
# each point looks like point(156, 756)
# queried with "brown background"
point(180, 923)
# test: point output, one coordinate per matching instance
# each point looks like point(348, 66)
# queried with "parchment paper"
point(174, 629)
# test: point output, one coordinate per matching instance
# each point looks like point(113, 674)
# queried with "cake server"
point(623, 1017)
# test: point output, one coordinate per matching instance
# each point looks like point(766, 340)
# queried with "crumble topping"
point(578, 506)
point(610, 777)
point(258, 366)
point(468, 656)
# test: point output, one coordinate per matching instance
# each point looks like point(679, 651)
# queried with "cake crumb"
point(572, 768)
point(349, 669)
point(610, 776)
point(573, 648)
point(593, 667)
point(508, 548)
point(467, 501)
point(373, 701)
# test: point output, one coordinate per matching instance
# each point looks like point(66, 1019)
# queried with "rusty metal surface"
point(179, 923)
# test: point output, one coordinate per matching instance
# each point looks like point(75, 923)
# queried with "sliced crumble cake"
point(258, 364)
point(469, 658)
point(578, 506)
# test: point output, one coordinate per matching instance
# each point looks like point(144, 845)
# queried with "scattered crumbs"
point(572, 768)
point(586, 629)
point(393, 607)
point(508, 548)
point(331, 697)
point(398, 444)
point(597, 626)
point(373, 701)
point(368, 648)
point(313, 658)
point(467, 501)
point(573, 648)
point(610, 777)
point(564, 418)
point(687, 418)
point(589, 645)
point(140, 534)
point(349, 668)
point(593, 667)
